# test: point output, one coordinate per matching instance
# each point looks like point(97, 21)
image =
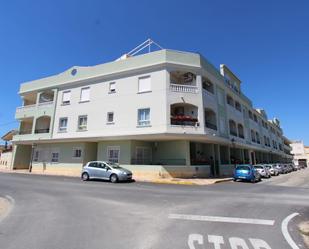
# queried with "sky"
point(265, 43)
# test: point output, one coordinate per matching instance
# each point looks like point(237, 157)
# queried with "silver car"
point(262, 170)
point(272, 169)
point(106, 171)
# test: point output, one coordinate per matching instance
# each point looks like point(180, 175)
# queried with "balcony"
point(184, 114)
point(33, 107)
point(183, 88)
point(27, 131)
point(184, 82)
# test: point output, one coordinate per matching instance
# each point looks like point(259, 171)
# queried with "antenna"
point(142, 46)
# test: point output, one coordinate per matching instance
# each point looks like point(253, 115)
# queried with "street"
point(65, 213)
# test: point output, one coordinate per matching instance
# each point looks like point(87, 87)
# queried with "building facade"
point(300, 153)
point(166, 111)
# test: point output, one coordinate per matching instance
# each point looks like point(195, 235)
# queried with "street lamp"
point(32, 153)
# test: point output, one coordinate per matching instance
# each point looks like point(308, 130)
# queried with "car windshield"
point(268, 166)
point(242, 168)
point(114, 165)
point(258, 167)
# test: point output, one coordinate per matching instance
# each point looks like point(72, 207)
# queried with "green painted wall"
point(172, 153)
point(125, 150)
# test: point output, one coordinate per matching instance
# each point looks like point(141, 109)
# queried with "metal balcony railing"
point(211, 125)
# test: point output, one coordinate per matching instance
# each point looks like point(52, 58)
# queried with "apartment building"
point(164, 110)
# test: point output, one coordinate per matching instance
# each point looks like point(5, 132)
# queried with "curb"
point(224, 180)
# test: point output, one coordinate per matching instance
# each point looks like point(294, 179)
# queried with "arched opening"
point(230, 100)
point(208, 85)
point(210, 119)
point(46, 97)
point(238, 106)
point(257, 138)
point(240, 129)
point(42, 124)
point(253, 136)
point(233, 129)
point(184, 114)
point(183, 78)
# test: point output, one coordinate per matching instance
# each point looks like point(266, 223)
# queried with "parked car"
point(246, 172)
point(279, 167)
point(287, 168)
point(106, 171)
point(294, 167)
point(262, 170)
point(272, 169)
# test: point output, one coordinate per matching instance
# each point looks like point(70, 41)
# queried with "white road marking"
point(216, 240)
point(195, 238)
point(237, 243)
point(259, 244)
point(222, 219)
point(285, 231)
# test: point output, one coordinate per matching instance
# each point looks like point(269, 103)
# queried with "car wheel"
point(85, 176)
point(114, 178)
point(253, 180)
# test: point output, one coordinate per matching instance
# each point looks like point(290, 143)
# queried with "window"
point(230, 100)
point(250, 115)
point(113, 154)
point(63, 123)
point(55, 157)
point(77, 153)
point(143, 155)
point(255, 118)
point(144, 84)
point(238, 106)
point(253, 136)
point(257, 137)
point(82, 123)
point(112, 87)
point(66, 97)
point(240, 129)
point(85, 94)
point(208, 86)
point(110, 117)
point(233, 129)
point(143, 118)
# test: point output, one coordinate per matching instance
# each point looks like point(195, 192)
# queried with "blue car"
point(246, 172)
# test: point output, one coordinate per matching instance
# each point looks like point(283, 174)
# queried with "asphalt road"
point(65, 213)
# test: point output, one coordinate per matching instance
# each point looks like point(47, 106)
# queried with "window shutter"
point(66, 96)
point(144, 84)
point(85, 94)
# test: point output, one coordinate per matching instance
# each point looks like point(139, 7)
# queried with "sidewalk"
point(181, 181)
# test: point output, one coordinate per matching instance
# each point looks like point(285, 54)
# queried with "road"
point(65, 213)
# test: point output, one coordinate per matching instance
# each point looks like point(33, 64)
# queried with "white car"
point(262, 170)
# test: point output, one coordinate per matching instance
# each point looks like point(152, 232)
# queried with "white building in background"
point(164, 109)
point(299, 152)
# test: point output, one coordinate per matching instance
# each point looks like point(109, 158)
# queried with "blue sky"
point(266, 43)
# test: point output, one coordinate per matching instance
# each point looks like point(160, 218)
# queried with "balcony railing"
point(183, 88)
point(46, 103)
point(27, 107)
point(211, 126)
point(25, 132)
point(41, 131)
point(184, 120)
